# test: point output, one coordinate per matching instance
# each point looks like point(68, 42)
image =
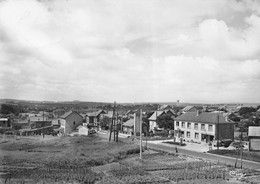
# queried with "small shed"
point(254, 138)
point(83, 130)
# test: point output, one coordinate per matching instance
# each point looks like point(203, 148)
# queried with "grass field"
point(95, 160)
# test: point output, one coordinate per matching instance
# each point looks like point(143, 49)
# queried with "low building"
point(128, 127)
point(70, 121)
point(189, 109)
point(93, 118)
point(254, 138)
point(203, 127)
point(152, 120)
point(83, 130)
point(4, 122)
point(132, 126)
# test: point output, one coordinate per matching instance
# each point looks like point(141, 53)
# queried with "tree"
point(246, 111)
point(165, 121)
point(145, 125)
point(104, 122)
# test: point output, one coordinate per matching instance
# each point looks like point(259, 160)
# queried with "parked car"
point(237, 144)
point(92, 131)
point(222, 143)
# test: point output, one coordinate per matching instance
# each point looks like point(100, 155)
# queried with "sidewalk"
point(203, 147)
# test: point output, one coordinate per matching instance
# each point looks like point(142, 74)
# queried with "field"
point(95, 160)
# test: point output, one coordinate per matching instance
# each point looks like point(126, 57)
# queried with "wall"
point(192, 130)
point(70, 126)
point(226, 131)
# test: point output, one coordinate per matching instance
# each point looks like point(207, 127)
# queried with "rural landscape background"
point(129, 91)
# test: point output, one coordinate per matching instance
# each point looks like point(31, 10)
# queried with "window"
point(196, 126)
point(189, 125)
point(188, 134)
point(177, 123)
point(74, 123)
point(196, 135)
point(203, 127)
point(210, 128)
point(183, 124)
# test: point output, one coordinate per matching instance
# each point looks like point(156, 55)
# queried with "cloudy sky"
point(204, 51)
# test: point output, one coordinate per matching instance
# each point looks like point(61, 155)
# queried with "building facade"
point(70, 121)
point(203, 127)
point(254, 138)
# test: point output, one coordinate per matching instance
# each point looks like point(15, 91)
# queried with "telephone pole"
point(112, 126)
point(141, 133)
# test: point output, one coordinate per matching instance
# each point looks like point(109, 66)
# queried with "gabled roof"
point(170, 110)
point(64, 116)
point(129, 123)
point(187, 108)
point(203, 117)
point(163, 107)
point(37, 118)
point(156, 114)
point(96, 113)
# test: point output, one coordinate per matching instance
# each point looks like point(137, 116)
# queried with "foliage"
point(105, 121)
point(246, 111)
point(165, 121)
point(11, 108)
point(233, 153)
point(145, 125)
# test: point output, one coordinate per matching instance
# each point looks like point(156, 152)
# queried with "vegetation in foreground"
point(253, 156)
point(95, 160)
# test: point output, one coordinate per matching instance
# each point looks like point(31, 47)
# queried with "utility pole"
point(112, 123)
point(141, 133)
point(43, 126)
point(218, 141)
point(117, 126)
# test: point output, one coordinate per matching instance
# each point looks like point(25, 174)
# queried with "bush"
point(163, 133)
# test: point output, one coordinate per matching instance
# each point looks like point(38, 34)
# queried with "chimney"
point(226, 118)
point(198, 113)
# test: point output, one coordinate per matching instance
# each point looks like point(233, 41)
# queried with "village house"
point(39, 121)
point(128, 127)
point(254, 138)
point(152, 120)
point(203, 127)
point(70, 121)
point(132, 126)
point(83, 130)
point(4, 122)
point(189, 109)
point(164, 107)
point(93, 118)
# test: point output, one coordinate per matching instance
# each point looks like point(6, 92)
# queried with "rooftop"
point(202, 117)
point(129, 123)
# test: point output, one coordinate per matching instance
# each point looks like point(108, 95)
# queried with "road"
point(221, 159)
point(208, 156)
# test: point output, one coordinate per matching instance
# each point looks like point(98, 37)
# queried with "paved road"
point(221, 159)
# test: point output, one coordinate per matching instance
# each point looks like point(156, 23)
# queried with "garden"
point(95, 160)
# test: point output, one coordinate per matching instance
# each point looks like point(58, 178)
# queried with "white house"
point(254, 138)
point(83, 130)
point(203, 127)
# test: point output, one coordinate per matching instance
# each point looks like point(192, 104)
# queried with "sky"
point(203, 51)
